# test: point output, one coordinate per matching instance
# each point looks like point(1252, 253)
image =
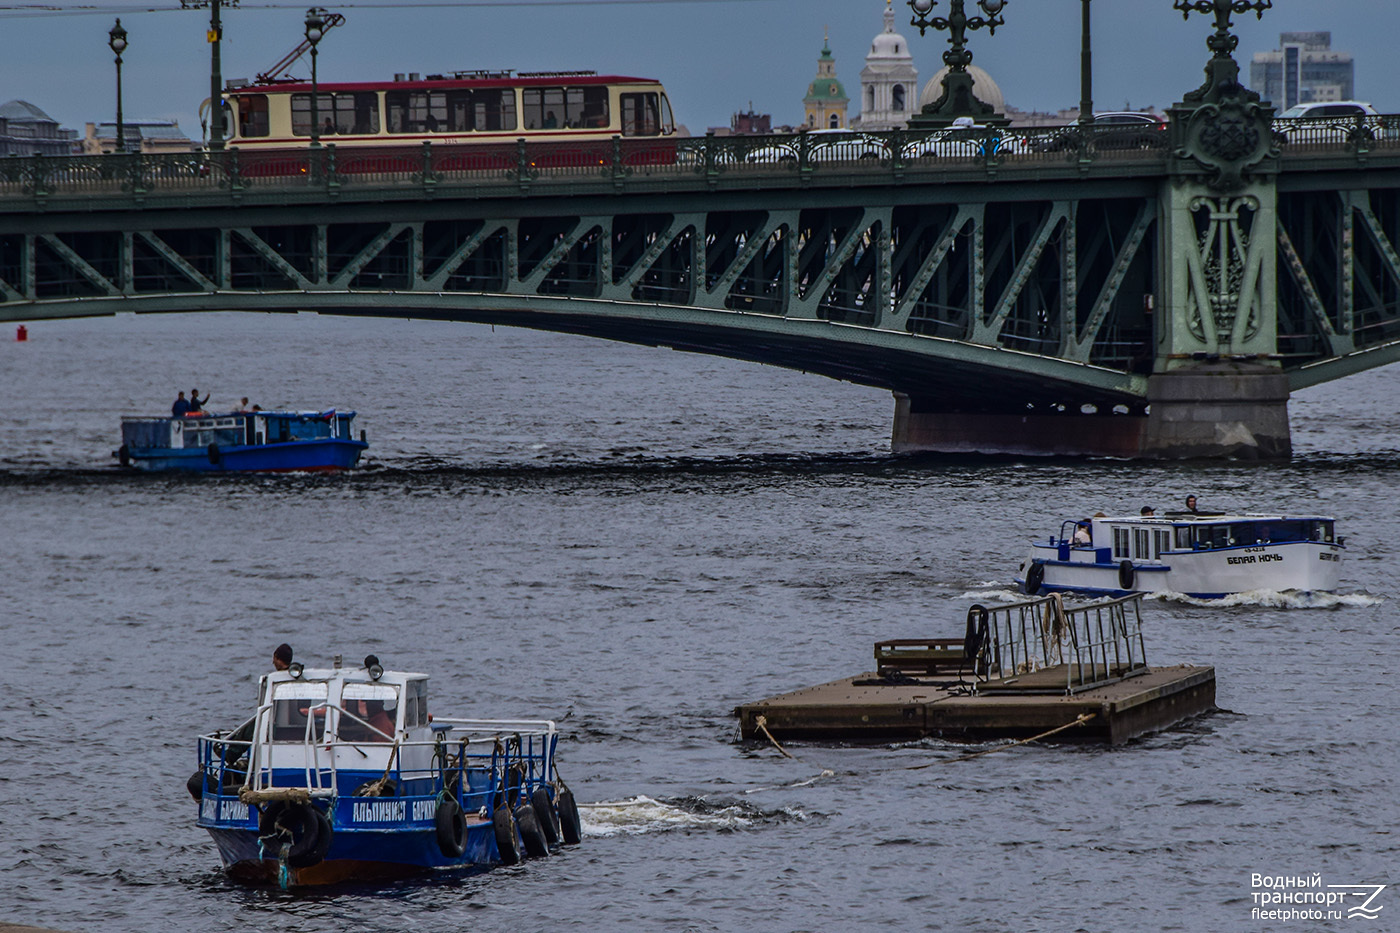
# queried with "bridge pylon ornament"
point(1223, 126)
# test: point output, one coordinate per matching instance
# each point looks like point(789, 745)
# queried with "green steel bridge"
point(1034, 291)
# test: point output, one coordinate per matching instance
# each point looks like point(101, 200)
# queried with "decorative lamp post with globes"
point(957, 99)
point(315, 29)
point(116, 39)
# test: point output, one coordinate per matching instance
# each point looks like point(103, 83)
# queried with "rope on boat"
point(761, 722)
point(1081, 720)
point(376, 788)
point(269, 794)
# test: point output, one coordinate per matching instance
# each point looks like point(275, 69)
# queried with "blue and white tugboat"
point(1207, 556)
point(276, 441)
point(343, 775)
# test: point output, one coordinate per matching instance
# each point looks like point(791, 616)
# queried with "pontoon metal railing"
point(1097, 644)
point(1105, 641)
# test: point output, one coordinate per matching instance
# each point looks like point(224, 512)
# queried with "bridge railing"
point(620, 162)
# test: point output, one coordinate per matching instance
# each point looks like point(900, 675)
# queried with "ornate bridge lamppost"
point(315, 29)
point(958, 99)
point(116, 40)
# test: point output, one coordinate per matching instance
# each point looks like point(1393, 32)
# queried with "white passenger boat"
point(1207, 556)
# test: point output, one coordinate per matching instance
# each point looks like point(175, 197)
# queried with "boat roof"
point(265, 412)
point(1206, 518)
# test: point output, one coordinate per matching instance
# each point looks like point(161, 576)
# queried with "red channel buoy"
point(22, 334)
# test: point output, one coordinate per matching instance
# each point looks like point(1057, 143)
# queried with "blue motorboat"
point(344, 775)
point(241, 441)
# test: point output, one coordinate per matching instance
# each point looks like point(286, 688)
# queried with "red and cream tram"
point(459, 109)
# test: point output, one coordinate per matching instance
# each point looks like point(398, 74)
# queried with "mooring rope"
point(1081, 720)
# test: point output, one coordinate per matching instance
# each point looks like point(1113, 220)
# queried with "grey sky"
point(714, 57)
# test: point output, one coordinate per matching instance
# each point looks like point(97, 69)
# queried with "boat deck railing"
point(478, 761)
point(1041, 646)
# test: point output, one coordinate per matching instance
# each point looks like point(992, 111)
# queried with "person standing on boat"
point(1191, 505)
point(282, 657)
point(239, 739)
point(196, 403)
point(180, 408)
point(1082, 537)
point(1148, 511)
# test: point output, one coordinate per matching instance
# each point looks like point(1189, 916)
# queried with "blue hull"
point(295, 456)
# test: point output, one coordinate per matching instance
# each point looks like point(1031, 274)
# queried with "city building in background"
point(889, 82)
point(1302, 70)
point(826, 101)
point(985, 89)
point(750, 123)
point(27, 130)
point(138, 136)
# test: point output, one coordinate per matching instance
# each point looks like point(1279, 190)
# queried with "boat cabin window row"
point(1248, 534)
point(1141, 543)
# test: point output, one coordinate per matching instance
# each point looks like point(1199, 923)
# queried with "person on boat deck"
point(1082, 537)
point(197, 403)
point(281, 660)
point(180, 408)
point(1148, 511)
point(243, 404)
point(1191, 505)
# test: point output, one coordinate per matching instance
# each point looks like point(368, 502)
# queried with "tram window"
point(416, 111)
point(640, 116)
point(493, 110)
point(668, 120)
point(357, 114)
point(301, 112)
point(252, 115)
point(548, 108)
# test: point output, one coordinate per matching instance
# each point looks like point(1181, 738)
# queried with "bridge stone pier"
point(1063, 291)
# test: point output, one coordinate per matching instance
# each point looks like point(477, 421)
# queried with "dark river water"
point(631, 541)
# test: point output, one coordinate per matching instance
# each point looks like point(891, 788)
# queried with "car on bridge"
point(1329, 122)
point(1112, 130)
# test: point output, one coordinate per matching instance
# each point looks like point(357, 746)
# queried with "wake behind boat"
point(242, 441)
point(343, 775)
point(1202, 555)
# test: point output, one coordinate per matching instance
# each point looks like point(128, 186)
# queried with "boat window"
point(201, 432)
point(1183, 538)
point(1162, 542)
point(1141, 544)
point(1321, 531)
point(292, 704)
point(640, 115)
point(373, 707)
point(252, 115)
point(1120, 542)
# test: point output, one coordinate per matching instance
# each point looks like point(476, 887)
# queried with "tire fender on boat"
point(451, 826)
point(530, 832)
point(569, 826)
point(549, 820)
point(216, 456)
point(324, 836)
point(1126, 574)
point(283, 822)
point(1035, 576)
point(124, 455)
point(195, 785)
point(507, 839)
